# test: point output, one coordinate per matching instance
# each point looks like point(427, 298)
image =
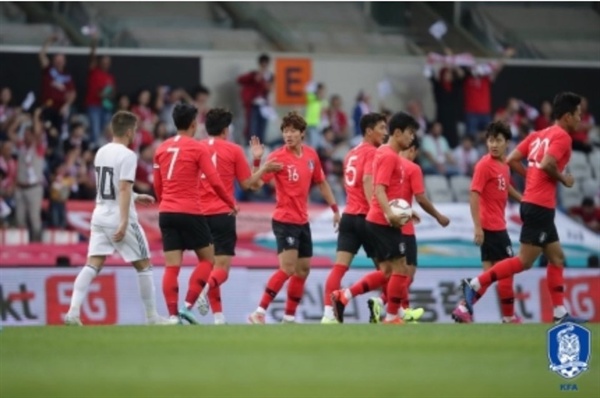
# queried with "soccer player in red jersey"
point(231, 164)
point(490, 190)
point(358, 181)
point(290, 218)
point(382, 226)
point(547, 152)
point(178, 164)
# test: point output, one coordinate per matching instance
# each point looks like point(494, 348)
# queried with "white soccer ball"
point(401, 207)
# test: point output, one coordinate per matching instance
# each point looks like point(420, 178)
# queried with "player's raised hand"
point(120, 234)
point(144, 199)
point(443, 220)
point(568, 181)
point(336, 221)
point(478, 239)
point(256, 148)
point(272, 166)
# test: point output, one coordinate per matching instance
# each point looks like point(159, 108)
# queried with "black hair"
point(402, 121)
point(201, 90)
point(217, 120)
point(369, 121)
point(415, 143)
point(565, 103)
point(495, 129)
point(587, 202)
point(184, 115)
point(263, 58)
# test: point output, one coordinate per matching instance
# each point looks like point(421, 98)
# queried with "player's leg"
point(410, 314)
point(397, 288)
point(173, 246)
point(301, 271)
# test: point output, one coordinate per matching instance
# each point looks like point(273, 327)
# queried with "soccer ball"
point(401, 207)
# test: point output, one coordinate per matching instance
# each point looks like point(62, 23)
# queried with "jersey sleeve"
point(318, 175)
point(523, 146)
point(478, 181)
point(157, 177)
point(385, 169)
point(558, 146)
point(416, 182)
point(368, 163)
point(267, 177)
point(128, 168)
point(242, 169)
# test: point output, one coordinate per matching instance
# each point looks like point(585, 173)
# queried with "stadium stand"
point(461, 188)
point(438, 189)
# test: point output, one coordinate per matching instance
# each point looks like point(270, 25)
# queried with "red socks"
point(371, 281)
point(479, 294)
point(214, 298)
point(334, 281)
point(170, 287)
point(507, 296)
point(555, 280)
point(198, 279)
point(274, 285)
point(406, 302)
point(294, 294)
point(217, 277)
point(503, 269)
point(396, 292)
point(384, 287)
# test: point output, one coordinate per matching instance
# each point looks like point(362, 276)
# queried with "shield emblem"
point(569, 348)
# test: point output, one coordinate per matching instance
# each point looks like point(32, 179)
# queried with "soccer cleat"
point(329, 321)
point(220, 322)
point(256, 318)
point(394, 321)
point(186, 314)
point(159, 320)
point(72, 320)
point(375, 308)
point(202, 302)
point(569, 318)
point(468, 295)
point(412, 314)
point(461, 316)
point(339, 301)
point(513, 319)
point(288, 321)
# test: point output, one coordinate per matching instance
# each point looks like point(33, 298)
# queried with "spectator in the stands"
point(338, 119)
point(61, 183)
point(58, 88)
point(86, 178)
point(165, 102)
point(315, 104)
point(8, 171)
point(415, 109)
point(256, 86)
point(544, 119)
point(361, 107)
point(201, 101)
point(144, 180)
point(8, 112)
point(436, 156)
point(581, 138)
point(123, 103)
point(146, 120)
point(100, 96)
point(466, 155)
point(76, 138)
point(30, 178)
point(588, 214)
point(516, 114)
point(161, 133)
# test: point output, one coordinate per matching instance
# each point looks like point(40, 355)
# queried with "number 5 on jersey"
point(350, 172)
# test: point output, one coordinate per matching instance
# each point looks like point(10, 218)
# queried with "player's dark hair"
point(565, 103)
point(184, 115)
point(369, 121)
point(201, 90)
point(217, 120)
point(402, 121)
point(263, 58)
point(495, 129)
point(415, 143)
point(294, 120)
point(587, 202)
point(121, 122)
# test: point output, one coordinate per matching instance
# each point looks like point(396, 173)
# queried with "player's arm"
point(209, 171)
point(382, 178)
point(255, 181)
point(514, 194)
point(367, 179)
point(126, 179)
point(549, 163)
point(477, 185)
point(418, 187)
point(318, 177)
point(157, 178)
point(515, 162)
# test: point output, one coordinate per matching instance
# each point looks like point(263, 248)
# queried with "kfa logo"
point(99, 307)
point(569, 347)
point(10, 307)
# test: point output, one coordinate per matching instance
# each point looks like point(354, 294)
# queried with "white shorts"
point(133, 247)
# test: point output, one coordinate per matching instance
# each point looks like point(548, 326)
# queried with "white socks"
point(147, 292)
point(347, 294)
point(261, 310)
point(328, 312)
point(80, 288)
point(475, 284)
point(560, 311)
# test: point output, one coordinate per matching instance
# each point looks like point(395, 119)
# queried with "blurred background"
point(66, 67)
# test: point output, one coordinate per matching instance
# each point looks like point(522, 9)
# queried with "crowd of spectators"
point(47, 146)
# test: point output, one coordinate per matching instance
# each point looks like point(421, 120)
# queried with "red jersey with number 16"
point(490, 180)
point(540, 188)
point(292, 183)
point(388, 170)
point(178, 163)
point(230, 161)
point(357, 164)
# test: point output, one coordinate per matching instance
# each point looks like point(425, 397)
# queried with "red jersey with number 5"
point(292, 183)
point(540, 188)
point(490, 180)
point(178, 163)
point(231, 164)
point(388, 170)
point(358, 163)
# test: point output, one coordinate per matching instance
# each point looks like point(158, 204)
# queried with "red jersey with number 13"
point(388, 170)
point(490, 180)
point(292, 183)
point(230, 161)
point(540, 188)
point(357, 164)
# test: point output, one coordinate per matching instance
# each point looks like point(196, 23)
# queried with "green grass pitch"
point(312, 361)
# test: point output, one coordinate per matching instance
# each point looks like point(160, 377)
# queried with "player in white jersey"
point(114, 224)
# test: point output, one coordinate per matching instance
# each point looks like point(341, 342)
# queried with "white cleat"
point(202, 302)
point(159, 320)
point(220, 322)
point(72, 320)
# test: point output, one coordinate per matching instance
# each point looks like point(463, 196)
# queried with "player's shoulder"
point(308, 150)
point(557, 132)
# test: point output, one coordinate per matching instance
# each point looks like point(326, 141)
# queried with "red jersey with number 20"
point(230, 161)
point(490, 180)
point(357, 164)
point(178, 163)
point(540, 188)
point(413, 185)
point(292, 183)
point(388, 170)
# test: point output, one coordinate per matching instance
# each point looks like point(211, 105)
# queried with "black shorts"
point(496, 246)
point(538, 225)
point(411, 249)
point(388, 242)
point(293, 237)
point(353, 234)
point(182, 231)
point(223, 231)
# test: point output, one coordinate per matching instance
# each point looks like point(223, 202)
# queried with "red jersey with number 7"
point(540, 188)
point(178, 164)
point(388, 170)
point(231, 164)
point(293, 182)
point(358, 163)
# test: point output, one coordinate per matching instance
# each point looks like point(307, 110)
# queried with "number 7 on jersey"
point(175, 152)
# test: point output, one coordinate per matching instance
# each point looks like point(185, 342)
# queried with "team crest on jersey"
point(311, 165)
point(569, 347)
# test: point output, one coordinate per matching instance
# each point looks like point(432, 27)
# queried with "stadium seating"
point(438, 189)
point(26, 34)
point(594, 159)
point(461, 187)
point(591, 187)
point(579, 166)
point(569, 197)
